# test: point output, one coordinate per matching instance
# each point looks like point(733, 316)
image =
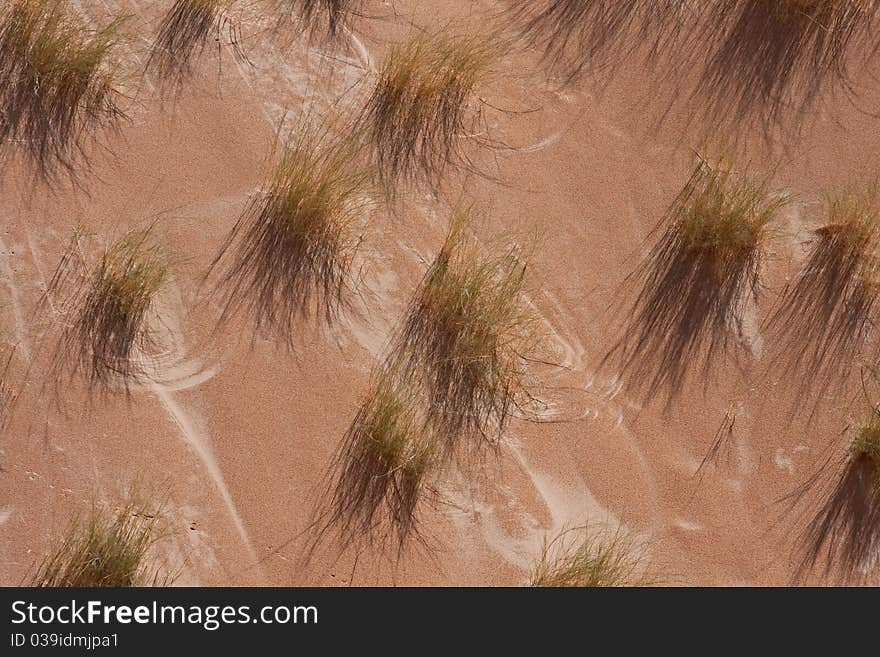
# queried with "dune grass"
point(422, 110)
point(844, 534)
point(107, 309)
point(589, 556)
point(386, 464)
point(699, 275)
point(291, 253)
point(825, 316)
point(105, 549)
point(57, 83)
point(185, 31)
point(468, 334)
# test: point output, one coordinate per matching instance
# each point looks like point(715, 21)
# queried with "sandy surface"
point(240, 433)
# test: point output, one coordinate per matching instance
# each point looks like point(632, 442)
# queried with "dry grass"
point(844, 535)
point(185, 31)
point(422, 111)
point(105, 549)
point(698, 277)
point(467, 336)
point(826, 314)
point(107, 309)
point(588, 556)
point(386, 464)
point(291, 253)
point(57, 83)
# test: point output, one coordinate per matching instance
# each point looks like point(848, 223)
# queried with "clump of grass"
point(575, 36)
point(468, 334)
point(109, 307)
point(185, 31)
point(698, 277)
point(330, 16)
point(105, 549)
point(291, 252)
point(422, 110)
point(587, 556)
point(388, 458)
point(845, 532)
point(825, 316)
point(57, 83)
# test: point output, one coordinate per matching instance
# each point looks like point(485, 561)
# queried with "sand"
point(239, 433)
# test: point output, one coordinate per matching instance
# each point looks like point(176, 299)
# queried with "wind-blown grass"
point(291, 252)
point(467, 336)
point(844, 534)
point(57, 84)
point(107, 309)
point(185, 31)
point(105, 549)
point(422, 110)
point(698, 277)
point(386, 464)
point(825, 316)
point(589, 556)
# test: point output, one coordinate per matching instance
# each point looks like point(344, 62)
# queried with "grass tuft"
point(386, 463)
point(109, 307)
point(845, 532)
point(422, 111)
point(105, 549)
point(56, 83)
point(825, 316)
point(589, 557)
point(185, 31)
point(699, 275)
point(467, 335)
point(291, 252)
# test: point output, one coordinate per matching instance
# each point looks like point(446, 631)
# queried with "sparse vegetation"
point(826, 314)
point(422, 111)
point(844, 535)
point(108, 309)
point(105, 549)
point(388, 458)
point(700, 274)
point(589, 556)
point(185, 31)
point(57, 83)
point(467, 334)
point(291, 253)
